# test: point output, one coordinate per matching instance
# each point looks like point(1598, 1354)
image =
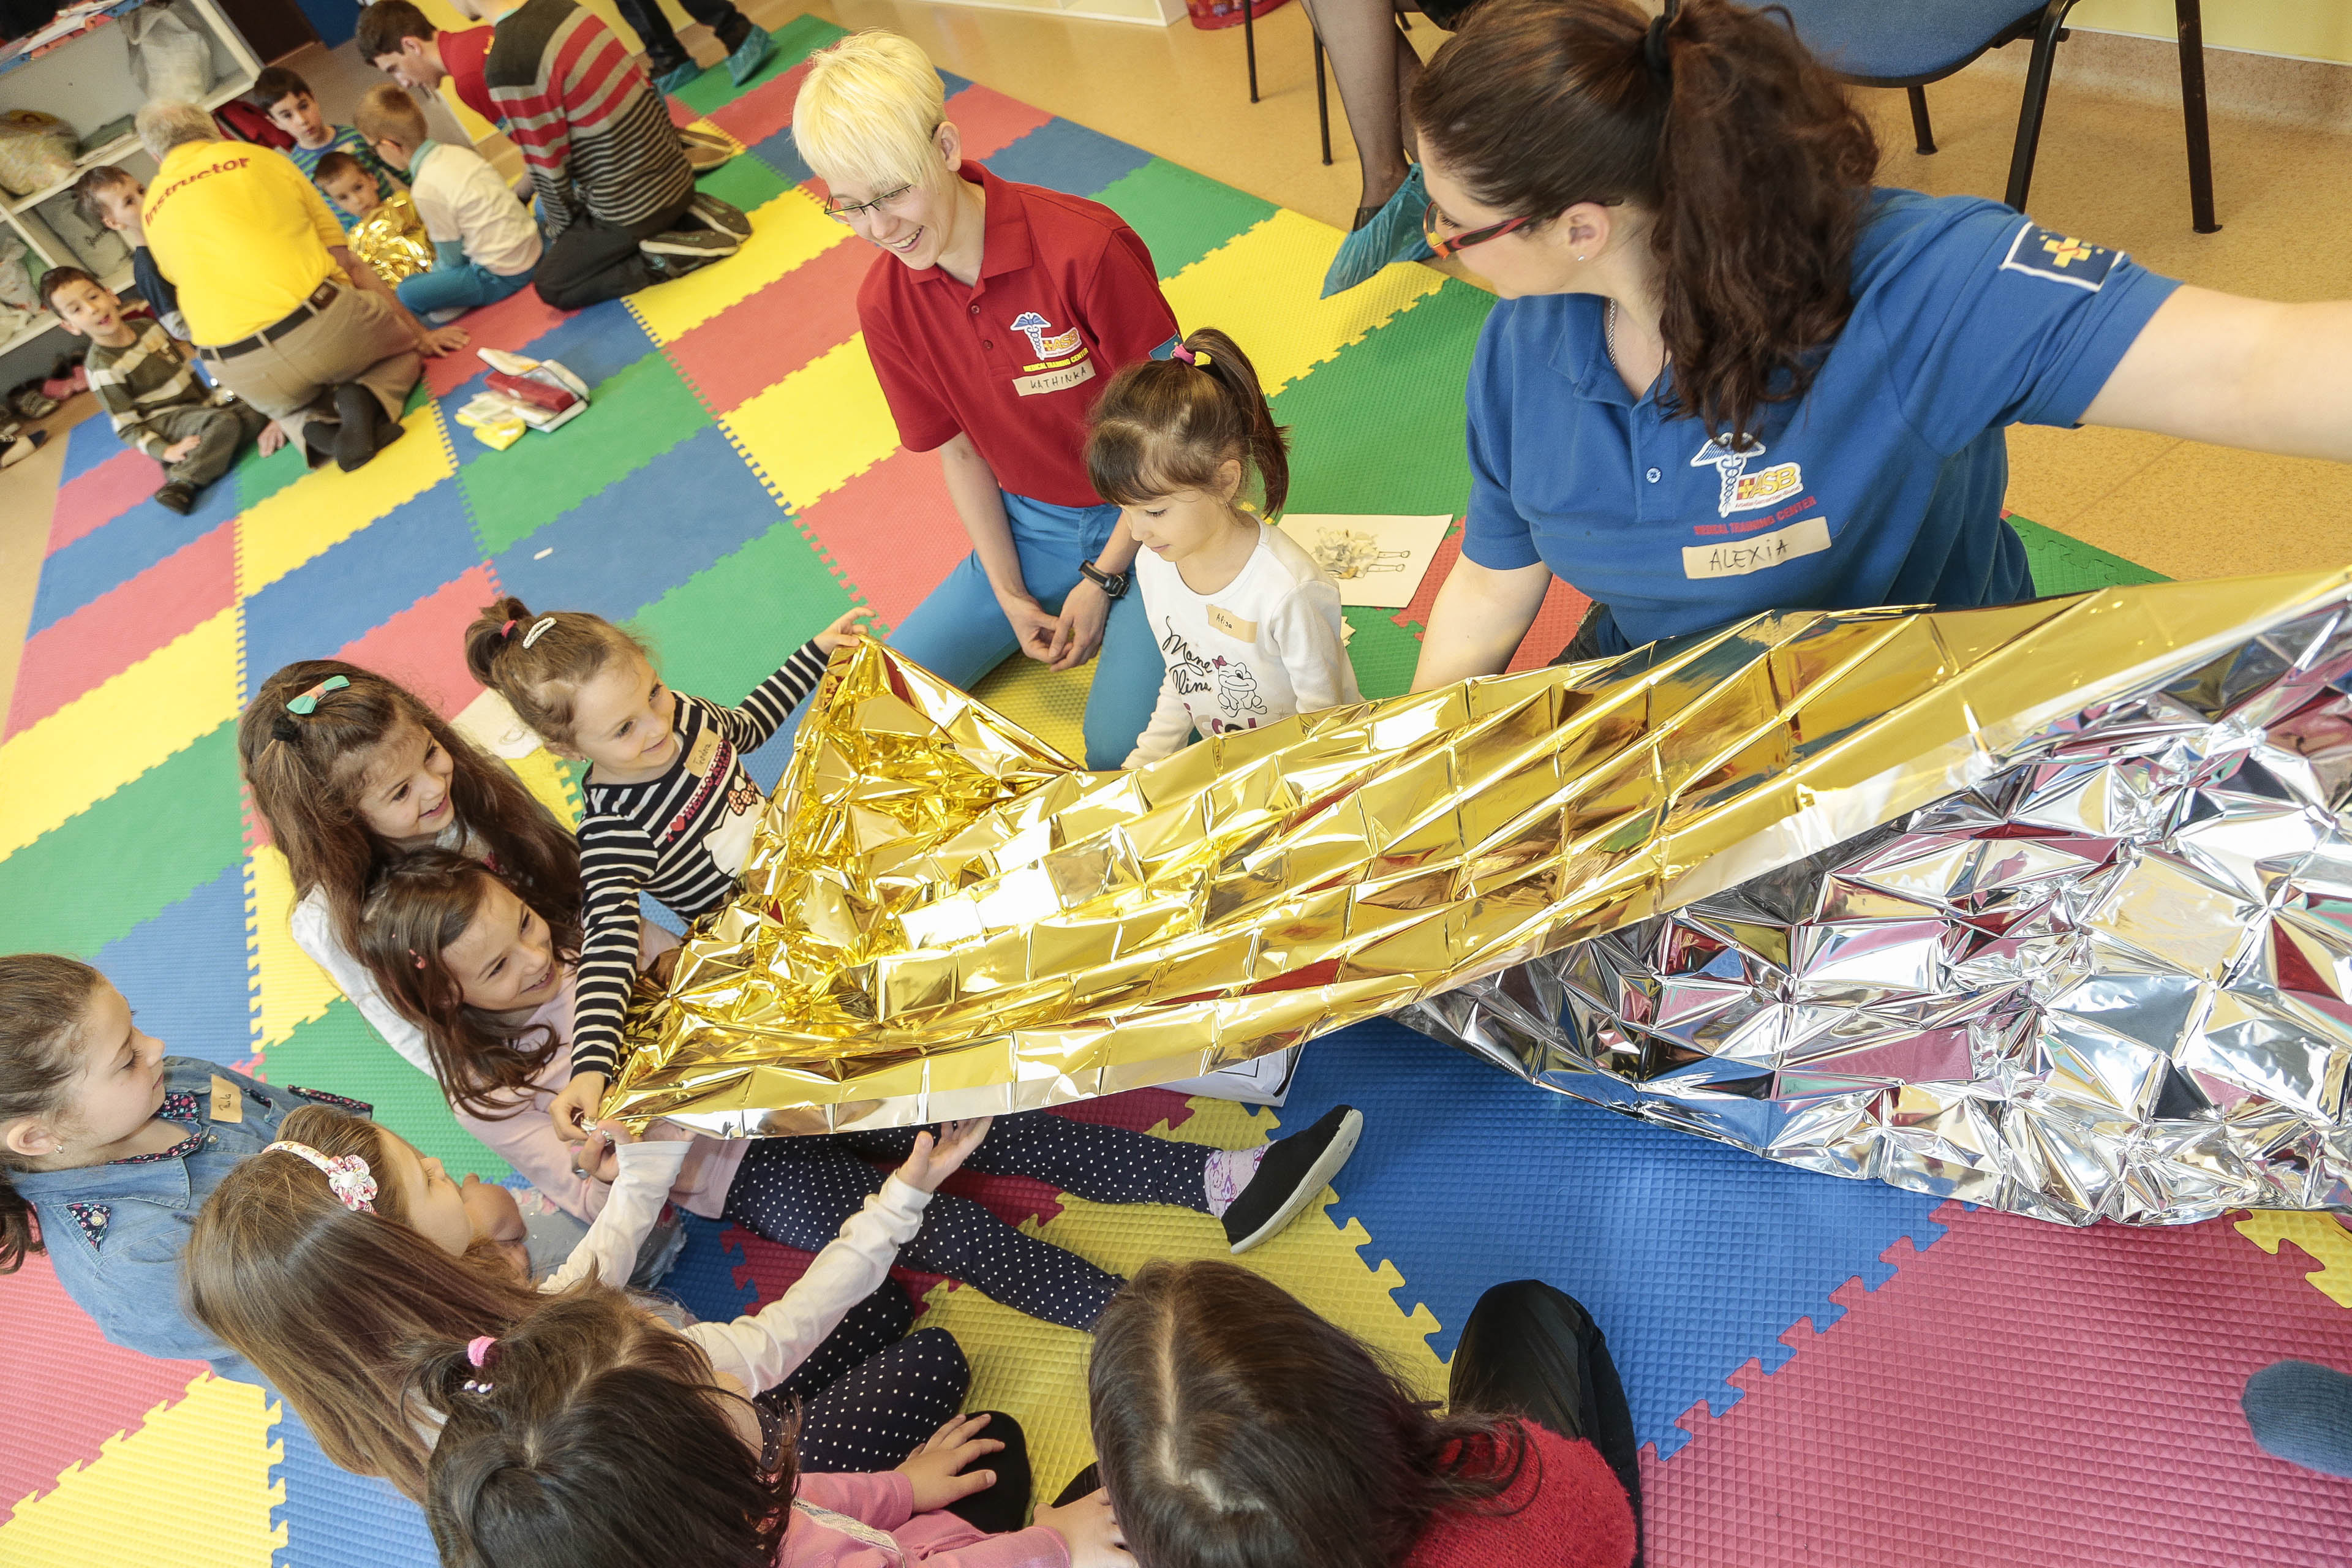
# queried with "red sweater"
point(1571, 1513)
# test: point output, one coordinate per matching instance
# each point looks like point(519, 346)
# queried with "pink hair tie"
point(506, 631)
point(478, 1352)
point(347, 1176)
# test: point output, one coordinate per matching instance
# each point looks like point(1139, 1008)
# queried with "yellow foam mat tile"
point(1052, 707)
point(1259, 287)
point(544, 776)
point(1038, 1373)
point(112, 733)
point(288, 989)
point(787, 231)
point(818, 428)
point(327, 506)
point(190, 1487)
point(2321, 1235)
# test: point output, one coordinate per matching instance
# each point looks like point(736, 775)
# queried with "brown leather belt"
point(321, 298)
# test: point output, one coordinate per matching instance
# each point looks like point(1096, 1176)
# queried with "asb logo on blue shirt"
point(2062, 258)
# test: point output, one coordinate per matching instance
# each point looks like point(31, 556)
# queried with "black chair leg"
point(1249, 42)
point(1322, 102)
point(2191, 17)
point(2037, 94)
point(1919, 126)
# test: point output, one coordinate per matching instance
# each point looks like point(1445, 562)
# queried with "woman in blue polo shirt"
point(1726, 376)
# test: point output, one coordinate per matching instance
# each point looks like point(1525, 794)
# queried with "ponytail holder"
point(537, 627)
point(307, 703)
point(1197, 358)
point(285, 729)
point(347, 1174)
point(1653, 43)
point(417, 956)
point(477, 1355)
point(506, 632)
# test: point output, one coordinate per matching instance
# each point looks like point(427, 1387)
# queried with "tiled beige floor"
point(2112, 169)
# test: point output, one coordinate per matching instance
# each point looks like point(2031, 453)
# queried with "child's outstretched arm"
point(772, 701)
point(641, 1184)
point(617, 859)
point(763, 1348)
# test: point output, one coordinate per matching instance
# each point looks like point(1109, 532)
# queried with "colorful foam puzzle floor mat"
point(1821, 1372)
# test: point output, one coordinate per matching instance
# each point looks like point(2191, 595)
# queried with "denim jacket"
point(114, 1232)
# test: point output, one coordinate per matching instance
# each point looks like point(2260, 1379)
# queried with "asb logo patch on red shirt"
point(1062, 360)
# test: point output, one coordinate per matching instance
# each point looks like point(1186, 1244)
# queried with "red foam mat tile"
point(125, 624)
point(2021, 1396)
point(762, 112)
point(511, 323)
point(91, 499)
point(53, 1426)
point(423, 647)
point(810, 311)
point(991, 121)
point(1555, 621)
point(891, 532)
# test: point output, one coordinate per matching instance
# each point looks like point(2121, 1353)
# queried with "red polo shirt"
point(462, 54)
point(1067, 295)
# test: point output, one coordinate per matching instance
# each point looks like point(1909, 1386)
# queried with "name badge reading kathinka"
point(1060, 380)
point(1739, 557)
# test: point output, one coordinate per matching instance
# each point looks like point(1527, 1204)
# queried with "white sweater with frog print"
point(1264, 646)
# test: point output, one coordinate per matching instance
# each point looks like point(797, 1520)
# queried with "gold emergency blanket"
point(943, 917)
point(392, 239)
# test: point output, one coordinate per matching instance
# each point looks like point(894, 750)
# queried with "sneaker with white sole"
point(723, 217)
point(706, 243)
point(1293, 1170)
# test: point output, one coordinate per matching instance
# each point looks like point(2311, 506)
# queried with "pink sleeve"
point(528, 1141)
point(1036, 1547)
point(884, 1500)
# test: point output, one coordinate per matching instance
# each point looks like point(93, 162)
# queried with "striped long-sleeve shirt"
point(136, 383)
point(682, 837)
point(594, 132)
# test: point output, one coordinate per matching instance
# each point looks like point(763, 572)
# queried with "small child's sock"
point(1229, 1171)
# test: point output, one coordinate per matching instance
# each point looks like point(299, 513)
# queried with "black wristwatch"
point(1112, 584)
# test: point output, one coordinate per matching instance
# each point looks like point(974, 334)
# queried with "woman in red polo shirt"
point(992, 321)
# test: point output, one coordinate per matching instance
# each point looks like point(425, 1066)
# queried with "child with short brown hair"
point(484, 244)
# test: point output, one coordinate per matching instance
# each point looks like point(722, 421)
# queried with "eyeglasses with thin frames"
point(850, 213)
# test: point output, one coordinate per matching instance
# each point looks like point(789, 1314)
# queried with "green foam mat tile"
point(258, 477)
point(2063, 564)
point(745, 181)
point(633, 416)
point(1181, 216)
point(1379, 427)
point(129, 857)
point(1383, 652)
point(340, 1051)
point(795, 41)
point(727, 628)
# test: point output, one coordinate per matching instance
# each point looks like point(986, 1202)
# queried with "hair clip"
point(537, 627)
point(307, 703)
point(417, 956)
point(506, 631)
point(347, 1176)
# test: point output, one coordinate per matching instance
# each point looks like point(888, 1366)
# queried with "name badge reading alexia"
point(1739, 557)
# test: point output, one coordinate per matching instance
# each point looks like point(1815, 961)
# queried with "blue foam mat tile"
point(954, 83)
point(184, 973)
point(1694, 1257)
point(703, 1278)
point(88, 445)
point(783, 154)
point(335, 1519)
point(363, 581)
point(597, 557)
point(119, 550)
point(1066, 156)
point(593, 344)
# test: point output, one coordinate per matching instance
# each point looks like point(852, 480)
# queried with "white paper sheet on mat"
point(1265, 1080)
point(1377, 561)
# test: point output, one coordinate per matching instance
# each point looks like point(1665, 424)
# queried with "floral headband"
point(347, 1176)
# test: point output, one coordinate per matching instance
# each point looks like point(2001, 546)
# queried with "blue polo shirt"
point(1881, 484)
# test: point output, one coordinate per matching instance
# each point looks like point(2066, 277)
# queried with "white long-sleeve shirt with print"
point(1266, 645)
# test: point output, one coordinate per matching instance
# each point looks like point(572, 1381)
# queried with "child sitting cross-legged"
point(484, 241)
point(293, 107)
point(386, 232)
point(146, 380)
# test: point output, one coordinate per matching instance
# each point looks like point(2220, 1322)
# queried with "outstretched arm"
point(2238, 373)
point(1477, 624)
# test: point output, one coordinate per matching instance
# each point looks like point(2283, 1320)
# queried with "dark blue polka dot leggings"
point(797, 1192)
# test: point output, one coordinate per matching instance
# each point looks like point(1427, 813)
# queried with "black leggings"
point(797, 1192)
point(662, 48)
point(872, 1392)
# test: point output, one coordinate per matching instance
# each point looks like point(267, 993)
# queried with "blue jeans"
point(959, 633)
point(465, 287)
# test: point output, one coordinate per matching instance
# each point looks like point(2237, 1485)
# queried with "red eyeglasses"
point(1443, 247)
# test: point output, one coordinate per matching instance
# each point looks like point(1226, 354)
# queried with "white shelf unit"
point(86, 82)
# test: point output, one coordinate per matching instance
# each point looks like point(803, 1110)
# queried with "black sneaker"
point(178, 496)
point(722, 217)
point(706, 244)
point(1294, 1169)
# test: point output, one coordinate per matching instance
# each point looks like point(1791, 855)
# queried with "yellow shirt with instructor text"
point(241, 234)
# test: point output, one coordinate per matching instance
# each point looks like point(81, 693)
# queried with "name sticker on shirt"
point(228, 1100)
point(704, 751)
point(1061, 380)
point(1233, 625)
point(1739, 557)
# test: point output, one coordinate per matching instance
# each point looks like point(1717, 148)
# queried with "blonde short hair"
point(388, 110)
point(867, 111)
